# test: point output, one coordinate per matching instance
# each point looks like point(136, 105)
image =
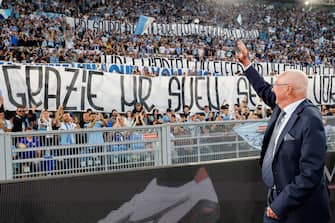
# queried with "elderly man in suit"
point(293, 150)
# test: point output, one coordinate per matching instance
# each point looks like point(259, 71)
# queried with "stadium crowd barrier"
point(39, 154)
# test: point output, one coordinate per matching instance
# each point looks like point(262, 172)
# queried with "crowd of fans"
point(124, 140)
point(45, 120)
point(108, 132)
point(82, 145)
point(288, 34)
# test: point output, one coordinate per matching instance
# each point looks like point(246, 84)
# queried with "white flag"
point(239, 19)
point(268, 19)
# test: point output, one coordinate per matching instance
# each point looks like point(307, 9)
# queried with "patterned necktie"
point(267, 162)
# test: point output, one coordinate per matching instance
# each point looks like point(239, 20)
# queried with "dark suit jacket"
point(298, 164)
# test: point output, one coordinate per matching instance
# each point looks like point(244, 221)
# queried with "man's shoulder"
point(309, 109)
point(311, 113)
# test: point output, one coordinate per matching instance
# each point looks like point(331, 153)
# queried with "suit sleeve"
point(262, 88)
point(311, 166)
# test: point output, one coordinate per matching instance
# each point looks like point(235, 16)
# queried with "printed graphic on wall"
point(195, 201)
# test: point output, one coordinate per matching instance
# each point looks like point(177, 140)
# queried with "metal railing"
point(198, 142)
point(39, 154)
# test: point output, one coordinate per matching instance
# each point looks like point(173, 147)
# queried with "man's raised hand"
point(243, 55)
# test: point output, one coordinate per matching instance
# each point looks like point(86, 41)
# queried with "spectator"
point(129, 119)
point(66, 124)
point(3, 123)
point(20, 122)
point(139, 119)
point(26, 143)
point(94, 138)
point(119, 123)
point(58, 117)
point(139, 115)
point(259, 112)
point(1, 102)
point(186, 113)
point(167, 115)
point(86, 118)
point(331, 111)
point(45, 123)
point(155, 118)
point(30, 142)
point(224, 112)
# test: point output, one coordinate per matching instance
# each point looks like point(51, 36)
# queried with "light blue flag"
point(239, 19)
point(252, 133)
point(5, 13)
point(143, 24)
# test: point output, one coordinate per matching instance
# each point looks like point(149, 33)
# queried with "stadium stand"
point(38, 32)
point(41, 32)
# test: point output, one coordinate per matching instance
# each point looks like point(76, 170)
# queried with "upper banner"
point(172, 29)
point(80, 89)
point(172, 66)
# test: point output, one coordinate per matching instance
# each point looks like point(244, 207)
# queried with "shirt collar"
point(291, 107)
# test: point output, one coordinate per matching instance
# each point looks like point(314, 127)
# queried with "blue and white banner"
point(50, 15)
point(182, 66)
point(216, 67)
point(5, 13)
point(143, 24)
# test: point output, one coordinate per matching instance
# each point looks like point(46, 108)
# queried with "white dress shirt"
point(288, 113)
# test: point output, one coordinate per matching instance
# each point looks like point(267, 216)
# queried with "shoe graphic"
point(195, 201)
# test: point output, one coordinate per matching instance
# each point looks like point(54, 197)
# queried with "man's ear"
point(290, 90)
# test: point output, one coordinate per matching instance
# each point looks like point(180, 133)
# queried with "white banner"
point(79, 89)
point(172, 29)
point(218, 67)
point(169, 67)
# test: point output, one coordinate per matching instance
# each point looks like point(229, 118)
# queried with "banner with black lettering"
point(171, 29)
point(216, 67)
point(181, 66)
point(80, 89)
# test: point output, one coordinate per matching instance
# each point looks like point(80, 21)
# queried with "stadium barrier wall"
point(40, 154)
point(215, 191)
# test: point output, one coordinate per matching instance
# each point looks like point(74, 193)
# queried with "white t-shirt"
point(67, 126)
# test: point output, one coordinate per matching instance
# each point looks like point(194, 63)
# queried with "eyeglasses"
point(277, 84)
point(20, 111)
